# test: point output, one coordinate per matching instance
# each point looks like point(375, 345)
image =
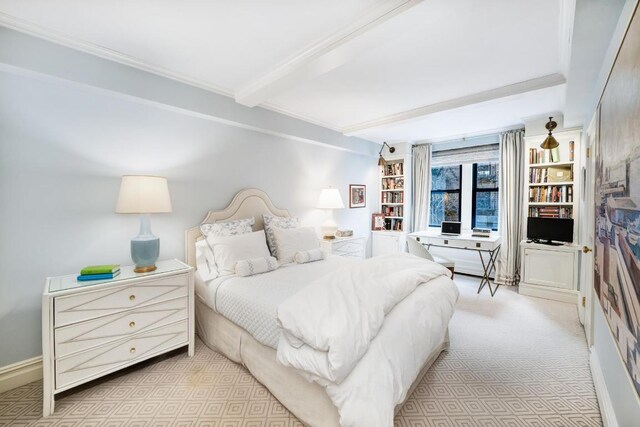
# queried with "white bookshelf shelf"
point(546, 165)
point(547, 184)
point(550, 203)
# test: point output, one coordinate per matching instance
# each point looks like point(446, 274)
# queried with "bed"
point(250, 340)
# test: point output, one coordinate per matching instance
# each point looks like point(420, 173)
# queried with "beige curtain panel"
point(512, 151)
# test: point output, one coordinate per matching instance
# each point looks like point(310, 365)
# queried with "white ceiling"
point(340, 63)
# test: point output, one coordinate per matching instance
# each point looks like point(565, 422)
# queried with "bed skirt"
point(306, 400)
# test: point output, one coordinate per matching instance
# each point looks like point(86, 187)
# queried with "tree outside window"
point(446, 197)
point(485, 195)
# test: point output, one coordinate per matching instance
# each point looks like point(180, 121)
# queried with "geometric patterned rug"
point(513, 361)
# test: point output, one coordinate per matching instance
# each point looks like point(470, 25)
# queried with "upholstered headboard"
point(249, 202)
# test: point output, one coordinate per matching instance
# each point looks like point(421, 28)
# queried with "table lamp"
point(329, 199)
point(144, 195)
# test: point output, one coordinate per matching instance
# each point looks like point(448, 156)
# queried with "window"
point(446, 194)
point(485, 196)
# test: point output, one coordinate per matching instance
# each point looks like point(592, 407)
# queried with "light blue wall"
point(64, 146)
point(622, 394)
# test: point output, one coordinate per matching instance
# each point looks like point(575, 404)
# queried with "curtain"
point(421, 186)
point(486, 153)
point(511, 204)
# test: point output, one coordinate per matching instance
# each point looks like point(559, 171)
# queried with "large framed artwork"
point(617, 203)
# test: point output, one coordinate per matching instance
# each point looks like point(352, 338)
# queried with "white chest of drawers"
point(91, 329)
point(345, 246)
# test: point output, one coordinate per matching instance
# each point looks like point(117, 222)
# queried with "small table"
point(90, 329)
point(352, 246)
point(466, 241)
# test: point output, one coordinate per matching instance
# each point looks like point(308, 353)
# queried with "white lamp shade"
point(143, 194)
point(330, 199)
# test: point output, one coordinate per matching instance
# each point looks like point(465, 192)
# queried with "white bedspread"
point(252, 302)
point(411, 332)
point(328, 326)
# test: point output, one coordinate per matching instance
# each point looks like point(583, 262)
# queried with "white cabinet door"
point(549, 268)
point(385, 244)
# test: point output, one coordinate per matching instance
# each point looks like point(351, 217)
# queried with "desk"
point(489, 245)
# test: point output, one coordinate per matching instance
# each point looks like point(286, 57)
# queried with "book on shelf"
point(393, 224)
point(572, 146)
point(393, 197)
point(392, 169)
point(551, 194)
point(550, 174)
point(392, 183)
point(551, 212)
point(392, 210)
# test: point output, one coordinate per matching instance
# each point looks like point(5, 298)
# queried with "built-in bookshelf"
point(392, 194)
point(551, 177)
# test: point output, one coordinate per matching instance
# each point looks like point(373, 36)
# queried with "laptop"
point(450, 228)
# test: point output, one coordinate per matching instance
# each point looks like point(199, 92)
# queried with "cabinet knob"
point(132, 324)
point(586, 249)
point(132, 350)
point(132, 297)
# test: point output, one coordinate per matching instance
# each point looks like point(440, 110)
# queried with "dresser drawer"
point(87, 365)
point(90, 305)
point(84, 335)
point(347, 247)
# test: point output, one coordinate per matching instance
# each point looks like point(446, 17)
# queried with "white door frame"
point(588, 227)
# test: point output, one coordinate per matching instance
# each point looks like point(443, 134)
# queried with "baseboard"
point(20, 373)
point(604, 400)
point(545, 292)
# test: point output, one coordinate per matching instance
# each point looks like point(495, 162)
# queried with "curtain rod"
point(467, 138)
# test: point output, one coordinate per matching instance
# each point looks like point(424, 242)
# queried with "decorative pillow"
point(302, 257)
point(228, 250)
point(291, 240)
point(271, 221)
point(205, 263)
point(228, 228)
point(249, 267)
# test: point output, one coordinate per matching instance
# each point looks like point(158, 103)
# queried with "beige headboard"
point(249, 202)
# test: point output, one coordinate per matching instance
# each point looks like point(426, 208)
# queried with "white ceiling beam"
point(544, 82)
point(318, 58)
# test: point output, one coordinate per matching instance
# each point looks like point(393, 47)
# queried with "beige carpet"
point(514, 361)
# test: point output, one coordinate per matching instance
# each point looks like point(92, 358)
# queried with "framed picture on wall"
point(377, 221)
point(357, 196)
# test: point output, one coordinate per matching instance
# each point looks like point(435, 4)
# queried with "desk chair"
point(416, 248)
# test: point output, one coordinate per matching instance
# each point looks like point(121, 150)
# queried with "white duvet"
point(364, 332)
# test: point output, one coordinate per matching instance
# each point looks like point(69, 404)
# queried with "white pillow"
point(228, 250)
point(271, 221)
point(291, 240)
point(313, 255)
point(228, 228)
point(250, 267)
point(205, 264)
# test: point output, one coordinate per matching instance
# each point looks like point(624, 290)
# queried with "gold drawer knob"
point(132, 324)
point(132, 297)
point(132, 350)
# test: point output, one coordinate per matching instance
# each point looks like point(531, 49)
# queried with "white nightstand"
point(345, 246)
point(90, 329)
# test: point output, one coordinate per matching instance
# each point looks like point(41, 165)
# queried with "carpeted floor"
point(513, 361)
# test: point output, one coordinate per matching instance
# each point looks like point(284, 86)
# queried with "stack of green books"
point(99, 272)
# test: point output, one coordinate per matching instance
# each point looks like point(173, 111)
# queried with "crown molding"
point(544, 82)
point(318, 58)
point(280, 110)
point(32, 29)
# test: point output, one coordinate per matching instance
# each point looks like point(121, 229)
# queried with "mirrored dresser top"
point(63, 283)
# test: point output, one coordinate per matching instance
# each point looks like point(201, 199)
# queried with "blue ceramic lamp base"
point(145, 247)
